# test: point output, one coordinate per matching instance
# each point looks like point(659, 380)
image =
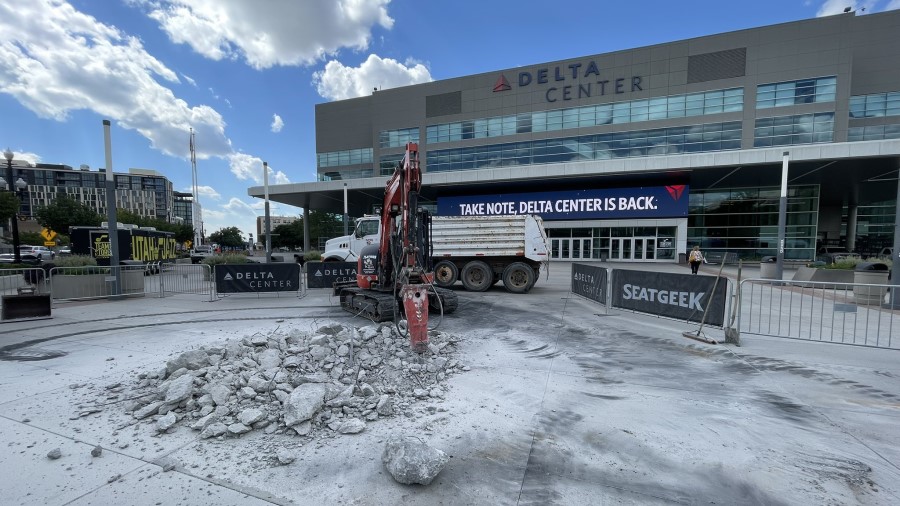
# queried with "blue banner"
point(607, 203)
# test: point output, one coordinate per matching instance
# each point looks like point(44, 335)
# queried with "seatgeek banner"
point(678, 296)
point(607, 203)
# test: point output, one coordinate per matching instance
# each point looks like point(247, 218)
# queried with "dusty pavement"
point(561, 404)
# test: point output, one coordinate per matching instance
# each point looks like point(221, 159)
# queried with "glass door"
point(644, 248)
point(620, 248)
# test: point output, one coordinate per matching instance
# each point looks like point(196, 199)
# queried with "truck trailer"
point(478, 251)
point(145, 244)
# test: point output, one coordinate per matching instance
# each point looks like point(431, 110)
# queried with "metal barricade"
point(30, 280)
point(96, 282)
point(194, 279)
point(842, 313)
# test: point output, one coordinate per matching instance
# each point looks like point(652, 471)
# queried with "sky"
point(246, 75)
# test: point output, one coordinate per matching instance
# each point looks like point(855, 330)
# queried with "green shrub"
point(74, 261)
point(228, 258)
point(312, 256)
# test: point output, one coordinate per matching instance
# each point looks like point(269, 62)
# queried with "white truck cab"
point(347, 247)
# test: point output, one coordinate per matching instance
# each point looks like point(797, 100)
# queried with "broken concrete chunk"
point(284, 456)
point(97, 451)
point(303, 403)
point(54, 454)
point(167, 422)
point(148, 410)
point(352, 426)
point(180, 389)
point(303, 428)
point(251, 416)
point(412, 461)
point(385, 406)
point(220, 394)
point(192, 360)
point(269, 359)
point(237, 429)
point(214, 430)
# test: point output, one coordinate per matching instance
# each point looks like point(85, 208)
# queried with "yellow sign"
point(188, 244)
point(49, 243)
point(48, 236)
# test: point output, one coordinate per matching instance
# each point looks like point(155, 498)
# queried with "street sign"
point(49, 243)
point(48, 236)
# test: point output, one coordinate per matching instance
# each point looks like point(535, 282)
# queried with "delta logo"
point(675, 191)
point(502, 84)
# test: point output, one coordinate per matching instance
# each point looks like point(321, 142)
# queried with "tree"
point(229, 237)
point(9, 205)
point(288, 235)
point(66, 212)
point(32, 238)
point(323, 226)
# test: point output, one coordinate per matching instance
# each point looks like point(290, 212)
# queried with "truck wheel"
point(518, 277)
point(445, 273)
point(477, 276)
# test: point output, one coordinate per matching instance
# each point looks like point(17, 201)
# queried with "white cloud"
point(205, 192)
point(245, 166)
point(29, 158)
point(894, 4)
point(338, 82)
point(189, 80)
point(277, 123)
point(55, 60)
point(283, 32)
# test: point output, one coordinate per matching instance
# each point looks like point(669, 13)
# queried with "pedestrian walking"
point(696, 258)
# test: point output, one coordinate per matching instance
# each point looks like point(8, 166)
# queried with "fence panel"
point(842, 313)
point(95, 282)
point(195, 279)
point(23, 280)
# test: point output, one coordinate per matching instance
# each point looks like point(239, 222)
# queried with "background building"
point(140, 191)
point(274, 221)
point(638, 154)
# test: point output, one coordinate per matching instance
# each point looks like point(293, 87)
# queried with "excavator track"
point(379, 306)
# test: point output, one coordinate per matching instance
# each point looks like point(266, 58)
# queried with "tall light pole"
point(17, 256)
point(268, 222)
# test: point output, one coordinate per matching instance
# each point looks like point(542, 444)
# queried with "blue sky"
point(246, 74)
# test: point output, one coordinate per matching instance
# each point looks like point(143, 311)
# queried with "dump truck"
point(478, 251)
point(136, 244)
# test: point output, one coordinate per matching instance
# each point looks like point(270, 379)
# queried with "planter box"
point(824, 275)
point(68, 286)
point(870, 295)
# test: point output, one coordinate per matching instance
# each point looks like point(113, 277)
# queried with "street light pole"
point(17, 256)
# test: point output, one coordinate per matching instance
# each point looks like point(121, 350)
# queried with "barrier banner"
point(324, 274)
point(589, 281)
point(678, 296)
point(240, 278)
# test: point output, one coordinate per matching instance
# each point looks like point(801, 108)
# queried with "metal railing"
point(194, 279)
point(843, 313)
point(96, 282)
point(24, 280)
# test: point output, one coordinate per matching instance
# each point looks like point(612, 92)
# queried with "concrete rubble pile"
point(336, 379)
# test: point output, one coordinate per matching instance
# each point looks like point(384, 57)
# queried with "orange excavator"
point(394, 277)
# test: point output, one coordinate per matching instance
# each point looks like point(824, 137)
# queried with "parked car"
point(834, 254)
point(41, 252)
point(64, 251)
point(8, 258)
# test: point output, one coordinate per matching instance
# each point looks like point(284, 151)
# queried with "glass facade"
point(344, 158)
point(613, 243)
point(789, 130)
point(745, 221)
point(660, 141)
point(803, 91)
point(675, 106)
point(875, 105)
point(874, 133)
point(397, 138)
point(874, 227)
